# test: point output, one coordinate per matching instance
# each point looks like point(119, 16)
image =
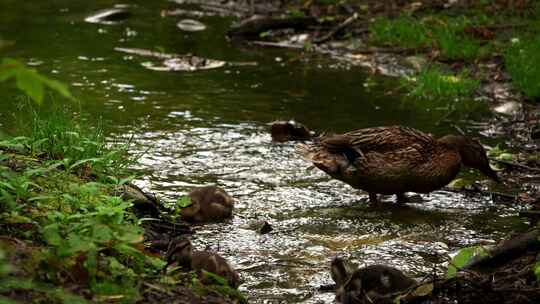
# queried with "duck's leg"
point(402, 198)
point(373, 198)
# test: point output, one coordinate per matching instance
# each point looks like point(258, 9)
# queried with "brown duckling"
point(372, 284)
point(282, 131)
point(208, 204)
point(396, 159)
point(181, 252)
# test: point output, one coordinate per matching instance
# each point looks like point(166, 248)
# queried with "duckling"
point(395, 159)
point(282, 131)
point(181, 252)
point(208, 203)
point(372, 284)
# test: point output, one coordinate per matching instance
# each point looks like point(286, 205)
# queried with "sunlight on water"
point(313, 217)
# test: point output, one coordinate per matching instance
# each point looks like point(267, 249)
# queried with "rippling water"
point(210, 128)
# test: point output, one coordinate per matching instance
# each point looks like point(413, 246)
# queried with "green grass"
point(63, 135)
point(433, 83)
point(447, 34)
point(404, 31)
point(522, 60)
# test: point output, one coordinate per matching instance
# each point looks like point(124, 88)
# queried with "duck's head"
point(180, 251)
point(347, 288)
point(472, 154)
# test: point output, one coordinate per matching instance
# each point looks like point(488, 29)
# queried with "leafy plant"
point(30, 81)
point(522, 60)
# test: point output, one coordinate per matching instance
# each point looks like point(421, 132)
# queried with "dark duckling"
point(396, 159)
point(208, 204)
point(181, 252)
point(290, 130)
point(372, 284)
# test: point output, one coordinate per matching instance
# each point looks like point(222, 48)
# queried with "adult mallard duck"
point(395, 159)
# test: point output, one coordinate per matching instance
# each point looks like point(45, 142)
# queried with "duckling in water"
point(282, 131)
point(181, 252)
point(209, 203)
point(372, 284)
point(395, 160)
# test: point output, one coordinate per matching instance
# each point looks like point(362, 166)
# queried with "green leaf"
point(462, 258)
point(218, 279)
point(57, 86)
point(102, 233)
point(183, 201)
point(536, 269)
point(29, 82)
point(51, 234)
point(91, 262)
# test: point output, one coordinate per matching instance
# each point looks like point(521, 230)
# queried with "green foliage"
point(462, 258)
point(448, 34)
point(432, 83)
point(522, 60)
point(222, 288)
point(10, 283)
point(76, 225)
point(183, 201)
point(30, 81)
point(501, 154)
point(536, 269)
point(405, 31)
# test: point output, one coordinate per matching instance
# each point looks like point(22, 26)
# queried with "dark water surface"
point(209, 127)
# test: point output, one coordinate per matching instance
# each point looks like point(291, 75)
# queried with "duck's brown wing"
point(387, 141)
point(391, 138)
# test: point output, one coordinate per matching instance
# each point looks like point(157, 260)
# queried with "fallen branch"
point(507, 250)
point(336, 29)
point(255, 25)
point(278, 44)
point(396, 50)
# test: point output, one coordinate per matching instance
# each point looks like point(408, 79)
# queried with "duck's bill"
point(492, 174)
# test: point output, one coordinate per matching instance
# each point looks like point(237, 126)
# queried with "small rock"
point(508, 108)
point(415, 62)
point(262, 227)
point(190, 25)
